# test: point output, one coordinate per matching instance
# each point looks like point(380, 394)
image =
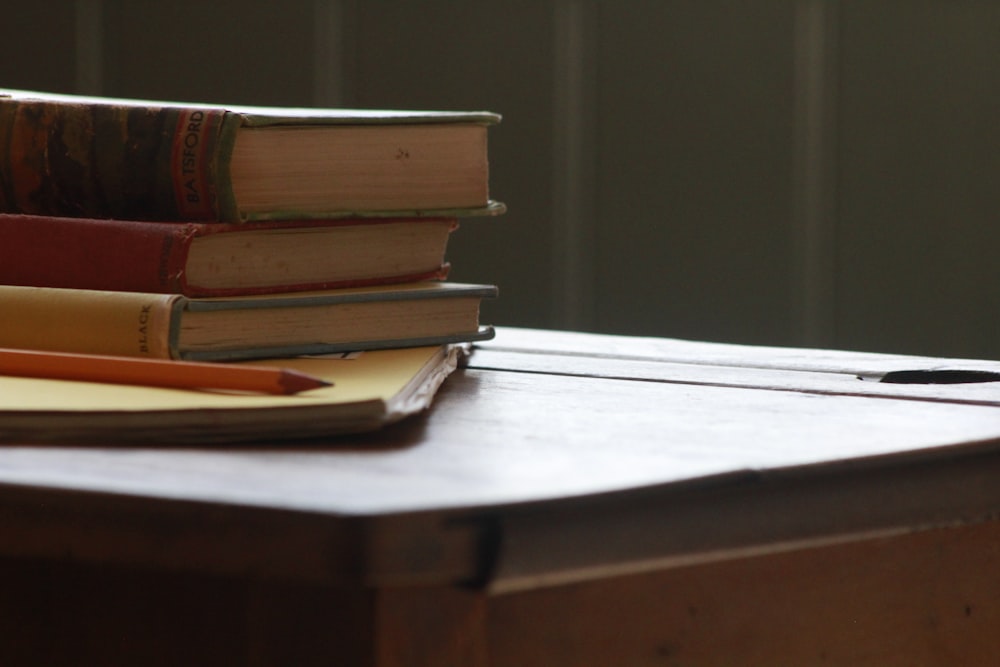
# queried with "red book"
point(218, 259)
point(102, 157)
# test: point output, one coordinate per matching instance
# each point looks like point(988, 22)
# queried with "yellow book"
point(171, 326)
point(374, 389)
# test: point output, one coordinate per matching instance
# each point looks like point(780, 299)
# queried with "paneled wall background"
point(805, 172)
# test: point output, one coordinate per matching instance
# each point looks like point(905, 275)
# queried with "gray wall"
point(801, 172)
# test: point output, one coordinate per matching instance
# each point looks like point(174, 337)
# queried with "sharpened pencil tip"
point(293, 382)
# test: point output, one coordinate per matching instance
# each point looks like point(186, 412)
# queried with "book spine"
point(134, 256)
point(87, 321)
point(115, 161)
point(83, 253)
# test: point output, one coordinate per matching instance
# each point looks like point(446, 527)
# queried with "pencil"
point(155, 372)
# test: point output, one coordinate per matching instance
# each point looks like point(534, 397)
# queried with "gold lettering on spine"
point(151, 326)
point(143, 339)
point(190, 159)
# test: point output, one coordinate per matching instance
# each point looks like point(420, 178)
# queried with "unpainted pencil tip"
point(293, 382)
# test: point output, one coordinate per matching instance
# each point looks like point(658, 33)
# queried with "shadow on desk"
point(53, 613)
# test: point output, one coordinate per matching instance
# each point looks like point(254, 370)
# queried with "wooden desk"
point(570, 499)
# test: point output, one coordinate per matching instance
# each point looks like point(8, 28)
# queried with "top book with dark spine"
point(99, 157)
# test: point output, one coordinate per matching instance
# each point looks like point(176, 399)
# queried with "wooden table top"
point(551, 456)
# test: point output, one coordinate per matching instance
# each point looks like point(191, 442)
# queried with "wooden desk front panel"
point(927, 598)
point(361, 551)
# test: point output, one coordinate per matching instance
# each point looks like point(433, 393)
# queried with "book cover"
point(211, 259)
point(370, 391)
point(144, 324)
point(138, 159)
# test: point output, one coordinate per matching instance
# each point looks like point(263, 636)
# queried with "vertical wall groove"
point(574, 179)
point(89, 60)
point(814, 179)
point(328, 53)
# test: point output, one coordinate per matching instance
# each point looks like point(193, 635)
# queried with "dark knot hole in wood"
point(940, 376)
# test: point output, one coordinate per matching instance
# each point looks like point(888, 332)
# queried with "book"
point(142, 324)
point(212, 259)
point(140, 159)
point(368, 392)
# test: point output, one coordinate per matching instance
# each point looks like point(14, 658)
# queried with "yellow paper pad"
point(374, 389)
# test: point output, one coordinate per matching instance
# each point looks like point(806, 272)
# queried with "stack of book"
point(142, 239)
point(203, 233)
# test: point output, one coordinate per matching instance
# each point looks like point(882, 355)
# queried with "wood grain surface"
point(568, 499)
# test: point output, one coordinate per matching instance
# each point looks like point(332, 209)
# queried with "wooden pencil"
point(155, 372)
